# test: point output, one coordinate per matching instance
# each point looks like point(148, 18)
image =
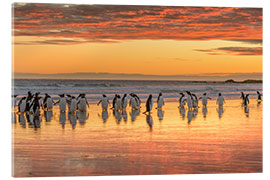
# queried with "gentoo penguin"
point(118, 103)
point(204, 99)
point(160, 101)
point(189, 100)
point(220, 100)
point(137, 100)
point(195, 101)
point(246, 100)
point(132, 102)
point(22, 104)
point(242, 97)
point(68, 99)
point(72, 105)
point(62, 102)
point(182, 100)
point(124, 101)
point(82, 103)
point(259, 96)
point(47, 102)
point(104, 102)
point(149, 104)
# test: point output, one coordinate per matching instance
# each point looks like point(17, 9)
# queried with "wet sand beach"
point(212, 140)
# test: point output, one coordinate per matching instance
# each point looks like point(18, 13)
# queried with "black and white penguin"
point(204, 99)
point(47, 102)
point(259, 96)
point(104, 102)
point(72, 104)
point(132, 101)
point(114, 101)
point(195, 101)
point(137, 99)
point(118, 103)
point(242, 97)
point(182, 100)
point(220, 100)
point(22, 104)
point(149, 104)
point(160, 101)
point(189, 100)
point(28, 101)
point(35, 105)
point(82, 103)
point(124, 101)
point(62, 103)
point(14, 100)
point(246, 100)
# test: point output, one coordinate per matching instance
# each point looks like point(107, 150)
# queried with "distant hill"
point(245, 81)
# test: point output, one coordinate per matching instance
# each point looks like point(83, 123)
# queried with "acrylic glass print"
point(136, 90)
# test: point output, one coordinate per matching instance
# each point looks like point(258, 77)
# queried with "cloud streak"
point(111, 23)
point(242, 51)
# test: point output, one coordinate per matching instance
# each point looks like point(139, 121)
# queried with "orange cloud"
point(107, 23)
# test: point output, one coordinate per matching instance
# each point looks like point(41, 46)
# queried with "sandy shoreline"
point(227, 140)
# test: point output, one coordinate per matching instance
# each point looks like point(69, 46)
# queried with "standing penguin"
point(204, 99)
point(189, 100)
point(246, 100)
point(242, 97)
point(47, 102)
point(132, 102)
point(220, 100)
point(72, 104)
point(138, 101)
point(160, 101)
point(82, 103)
point(35, 105)
point(149, 104)
point(28, 100)
point(62, 103)
point(259, 99)
point(124, 101)
point(118, 103)
point(104, 102)
point(114, 101)
point(182, 100)
point(14, 100)
point(22, 104)
point(194, 101)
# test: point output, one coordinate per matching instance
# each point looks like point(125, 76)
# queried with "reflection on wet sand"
point(220, 111)
point(82, 116)
point(124, 115)
point(62, 119)
point(139, 147)
point(160, 114)
point(48, 115)
point(204, 111)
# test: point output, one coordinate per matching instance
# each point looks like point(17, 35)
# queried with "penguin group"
point(33, 103)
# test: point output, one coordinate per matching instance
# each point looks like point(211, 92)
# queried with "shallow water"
point(212, 140)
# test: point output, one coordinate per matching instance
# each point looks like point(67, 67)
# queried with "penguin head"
point(104, 95)
point(125, 95)
point(219, 94)
point(61, 95)
point(150, 96)
point(160, 94)
point(258, 92)
point(204, 94)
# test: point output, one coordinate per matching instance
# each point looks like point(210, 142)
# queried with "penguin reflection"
point(72, 119)
point(104, 115)
point(149, 120)
point(134, 113)
point(48, 115)
point(220, 111)
point(117, 115)
point(182, 111)
point(62, 118)
point(246, 110)
point(189, 115)
point(82, 116)
point(22, 120)
point(14, 118)
point(160, 114)
point(36, 121)
point(124, 115)
point(204, 111)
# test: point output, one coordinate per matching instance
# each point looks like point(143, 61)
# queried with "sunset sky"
point(152, 40)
